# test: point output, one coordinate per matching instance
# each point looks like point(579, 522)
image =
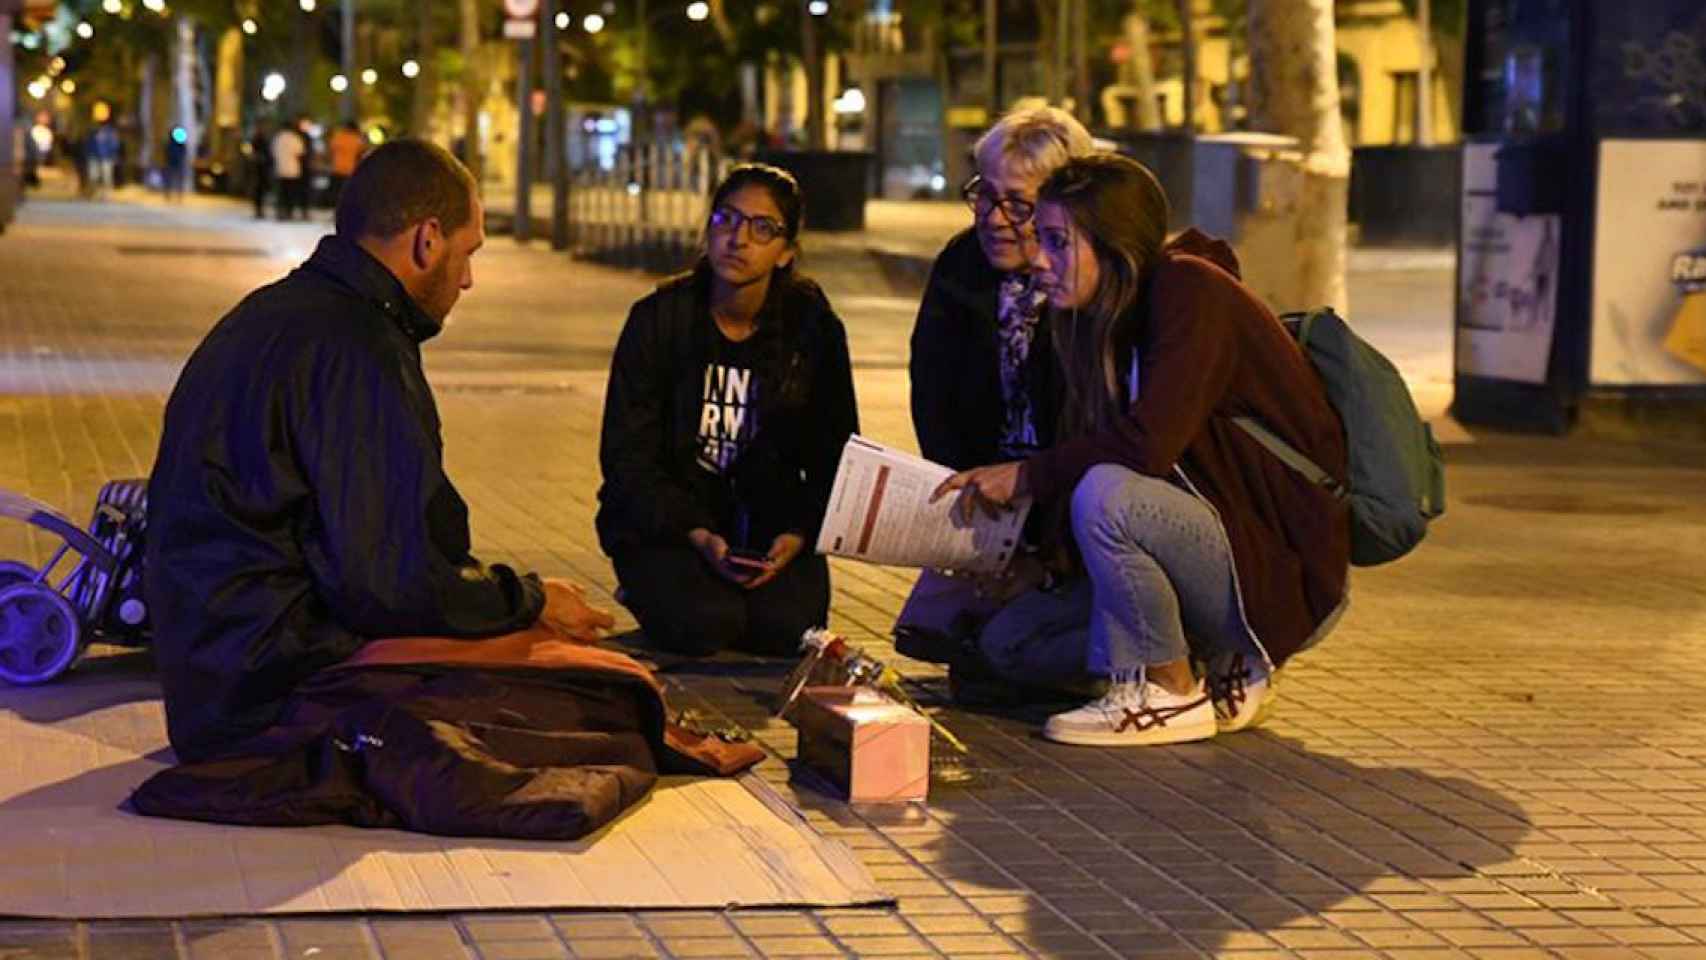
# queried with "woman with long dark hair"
point(1193, 542)
point(730, 398)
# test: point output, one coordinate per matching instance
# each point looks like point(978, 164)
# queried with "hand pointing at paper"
point(993, 488)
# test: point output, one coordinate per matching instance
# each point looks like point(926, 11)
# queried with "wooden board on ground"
point(75, 749)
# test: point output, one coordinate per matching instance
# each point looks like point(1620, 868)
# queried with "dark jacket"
point(957, 410)
point(524, 736)
point(654, 491)
point(1208, 351)
point(299, 506)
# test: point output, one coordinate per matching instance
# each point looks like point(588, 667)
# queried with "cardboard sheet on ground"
point(74, 750)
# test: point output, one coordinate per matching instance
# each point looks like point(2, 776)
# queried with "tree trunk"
point(226, 130)
point(1047, 54)
point(183, 99)
point(346, 60)
point(1188, 70)
point(145, 116)
point(1142, 71)
point(8, 118)
point(1294, 90)
point(473, 90)
point(1081, 62)
point(812, 58)
point(426, 82)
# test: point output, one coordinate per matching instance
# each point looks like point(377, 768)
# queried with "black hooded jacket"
point(299, 505)
point(957, 409)
point(654, 490)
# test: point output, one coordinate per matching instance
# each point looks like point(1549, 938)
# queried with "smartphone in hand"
point(746, 562)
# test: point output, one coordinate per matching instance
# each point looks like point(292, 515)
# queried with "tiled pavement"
point(1498, 754)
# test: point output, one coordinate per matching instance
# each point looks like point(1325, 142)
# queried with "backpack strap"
point(1292, 457)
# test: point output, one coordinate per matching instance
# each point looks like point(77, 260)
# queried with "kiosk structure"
point(1582, 240)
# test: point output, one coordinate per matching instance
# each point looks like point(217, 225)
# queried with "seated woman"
point(1192, 538)
point(730, 398)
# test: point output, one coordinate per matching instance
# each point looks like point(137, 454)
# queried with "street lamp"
point(593, 23)
point(339, 83)
point(113, 7)
point(306, 5)
point(818, 8)
point(155, 5)
point(563, 20)
point(84, 30)
point(698, 10)
point(250, 27)
point(273, 87)
point(411, 69)
point(370, 76)
point(69, 87)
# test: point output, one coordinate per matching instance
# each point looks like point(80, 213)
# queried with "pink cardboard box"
point(872, 747)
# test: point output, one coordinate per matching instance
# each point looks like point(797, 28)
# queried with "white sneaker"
point(1242, 690)
point(1135, 713)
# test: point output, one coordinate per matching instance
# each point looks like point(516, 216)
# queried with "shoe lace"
point(1231, 686)
point(1127, 690)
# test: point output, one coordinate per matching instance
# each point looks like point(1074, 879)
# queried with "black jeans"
point(262, 190)
point(684, 607)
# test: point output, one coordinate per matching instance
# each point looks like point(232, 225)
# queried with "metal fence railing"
point(645, 210)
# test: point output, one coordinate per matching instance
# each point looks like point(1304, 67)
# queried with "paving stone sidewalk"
point(1501, 753)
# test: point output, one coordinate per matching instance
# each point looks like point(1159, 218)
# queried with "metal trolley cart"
point(45, 625)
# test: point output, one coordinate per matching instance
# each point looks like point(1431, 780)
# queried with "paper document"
point(880, 512)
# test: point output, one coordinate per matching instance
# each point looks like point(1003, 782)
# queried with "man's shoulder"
point(302, 311)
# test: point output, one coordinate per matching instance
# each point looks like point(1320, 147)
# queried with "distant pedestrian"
point(177, 172)
point(103, 153)
point(1188, 539)
point(257, 154)
point(731, 396)
point(77, 153)
point(345, 148)
point(290, 169)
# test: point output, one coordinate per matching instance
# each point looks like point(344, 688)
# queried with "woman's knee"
point(1101, 500)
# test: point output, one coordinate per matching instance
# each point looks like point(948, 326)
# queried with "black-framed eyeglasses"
point(728, 220)
point(978, 195)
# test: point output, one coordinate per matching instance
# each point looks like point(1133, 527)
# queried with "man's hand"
point(782, 552)
point(993, 489)
point(568, 615)
point(715, 552)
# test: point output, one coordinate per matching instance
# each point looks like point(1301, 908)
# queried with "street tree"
point(472, 85)
point(1294, 91)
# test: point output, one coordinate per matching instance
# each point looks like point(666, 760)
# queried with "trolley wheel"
point(40, 635)
point(11, 572)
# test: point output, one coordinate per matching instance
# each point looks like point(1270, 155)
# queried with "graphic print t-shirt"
point(728, 405)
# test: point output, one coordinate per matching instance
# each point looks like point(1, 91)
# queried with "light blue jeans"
point(1160, 586)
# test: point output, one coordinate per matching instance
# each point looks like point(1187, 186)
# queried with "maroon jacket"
point(1209, 350)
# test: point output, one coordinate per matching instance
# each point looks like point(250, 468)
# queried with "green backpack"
point(1397, 473)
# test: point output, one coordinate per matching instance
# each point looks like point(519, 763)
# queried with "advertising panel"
point(1649, 264)
point(1508, 280)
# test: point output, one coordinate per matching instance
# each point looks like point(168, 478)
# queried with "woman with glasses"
point(730, 398)
point(983, 382)
point(1193, 541)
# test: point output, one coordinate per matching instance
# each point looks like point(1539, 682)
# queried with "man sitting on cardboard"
point(299, 506)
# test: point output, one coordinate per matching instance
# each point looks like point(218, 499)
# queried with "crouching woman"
point(730, 398)
point(1192, 542)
